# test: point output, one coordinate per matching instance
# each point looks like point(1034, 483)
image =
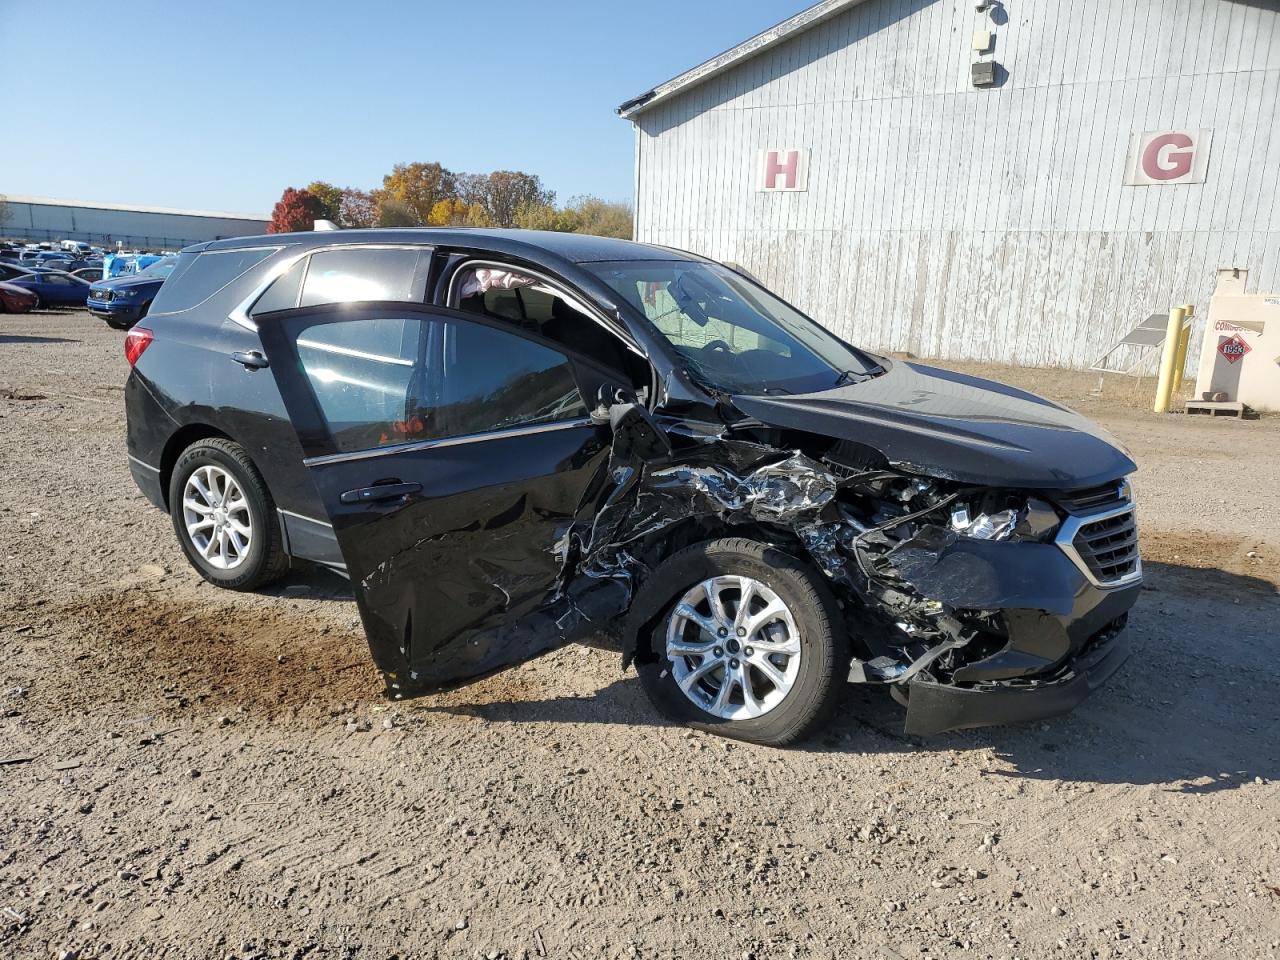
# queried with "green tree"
point(418, 187)
point(330, 197)
point(543, 216)
point(602, 218)
point(392, 213)
point(506, 191)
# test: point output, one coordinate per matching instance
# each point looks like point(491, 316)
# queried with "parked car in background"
point(510, 440)
point(53, 258)
point(9, 271)
point(88, 274)
point(16, 299)
point(125, 300)
point(54, 288)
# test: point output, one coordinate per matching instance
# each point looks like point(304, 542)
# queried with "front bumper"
point(1063, 631)
point(116, 311)
point(934, 707)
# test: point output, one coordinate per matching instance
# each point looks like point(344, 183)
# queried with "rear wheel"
point(747, 645)
point(224, 516)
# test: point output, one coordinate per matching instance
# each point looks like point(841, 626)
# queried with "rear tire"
point(785, 702)
point(224, 516)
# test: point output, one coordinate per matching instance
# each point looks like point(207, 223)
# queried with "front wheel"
point(224, 516)
point(747, 646)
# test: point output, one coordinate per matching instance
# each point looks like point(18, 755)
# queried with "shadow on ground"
point(1193, 709)
point(19, 338)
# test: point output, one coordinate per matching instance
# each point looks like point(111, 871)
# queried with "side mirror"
point(635, 431)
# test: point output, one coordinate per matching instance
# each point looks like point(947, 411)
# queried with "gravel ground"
point(188, 772)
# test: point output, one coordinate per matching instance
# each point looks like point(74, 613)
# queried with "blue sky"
point(221, 110)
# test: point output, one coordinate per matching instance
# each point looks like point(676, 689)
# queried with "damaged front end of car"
point(974, 605)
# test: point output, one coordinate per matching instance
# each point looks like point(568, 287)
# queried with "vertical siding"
point(981, 224)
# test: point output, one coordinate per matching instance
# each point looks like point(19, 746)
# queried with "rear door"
point(453, 455)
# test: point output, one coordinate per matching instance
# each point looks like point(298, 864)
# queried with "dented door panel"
point(442, 571)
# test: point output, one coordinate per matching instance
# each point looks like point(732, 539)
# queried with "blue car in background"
point(54, 288)
point(123, 301)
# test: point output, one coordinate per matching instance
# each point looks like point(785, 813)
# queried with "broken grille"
point(1079, 501)
point(1109, 546)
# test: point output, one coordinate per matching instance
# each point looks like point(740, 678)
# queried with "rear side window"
point(204, 274)
point(283, 293)
point(366, 273)
point(362, 373)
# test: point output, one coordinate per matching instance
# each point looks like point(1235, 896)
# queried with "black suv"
point(508, 440)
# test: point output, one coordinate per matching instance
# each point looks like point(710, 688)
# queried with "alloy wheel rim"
point(217, 517)
point(734, 647)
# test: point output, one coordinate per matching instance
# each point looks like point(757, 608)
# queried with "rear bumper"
point(147, 478)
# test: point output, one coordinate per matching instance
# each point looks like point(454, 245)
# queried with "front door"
point(454, 456)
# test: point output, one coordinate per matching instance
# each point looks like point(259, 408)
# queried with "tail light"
point(135, 342)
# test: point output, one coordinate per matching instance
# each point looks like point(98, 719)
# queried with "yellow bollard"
point(1173, 334)
point(1180, 361)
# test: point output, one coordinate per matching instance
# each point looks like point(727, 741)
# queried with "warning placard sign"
point(1233, 348)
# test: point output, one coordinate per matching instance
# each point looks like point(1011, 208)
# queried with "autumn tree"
point(393, 213)
point(417, 187)
point(330, 198)
point(357, 208)
point(295, 210)
point(450, 212)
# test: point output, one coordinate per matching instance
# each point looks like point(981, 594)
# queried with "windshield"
point(733, 334)
point(161, 268)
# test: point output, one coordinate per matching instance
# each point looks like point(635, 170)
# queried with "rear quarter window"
point(366, 273)
point(200, 275)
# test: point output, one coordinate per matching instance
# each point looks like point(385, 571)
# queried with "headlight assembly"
point(1035, 520)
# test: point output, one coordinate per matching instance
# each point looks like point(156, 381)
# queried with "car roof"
point(574, 247)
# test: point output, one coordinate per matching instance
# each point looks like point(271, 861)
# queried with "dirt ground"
point(178, 779)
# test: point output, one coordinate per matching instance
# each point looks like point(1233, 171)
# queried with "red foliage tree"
point(295, 210)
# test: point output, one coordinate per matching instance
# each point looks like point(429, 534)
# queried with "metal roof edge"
point(95, 205)
point(809, 17)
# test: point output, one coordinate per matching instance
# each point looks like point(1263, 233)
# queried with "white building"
point(1018, 181)
point(105, 224)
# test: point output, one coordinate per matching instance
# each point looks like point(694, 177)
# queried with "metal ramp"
point(1147, 335)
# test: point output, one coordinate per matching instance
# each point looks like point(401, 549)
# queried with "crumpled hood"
point(942, 424)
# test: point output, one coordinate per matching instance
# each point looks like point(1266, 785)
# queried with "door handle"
point(251, 359)
point(379, 491)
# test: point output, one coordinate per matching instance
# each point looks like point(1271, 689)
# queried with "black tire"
point(817, 687)
point(265, 560)
point(146, 308)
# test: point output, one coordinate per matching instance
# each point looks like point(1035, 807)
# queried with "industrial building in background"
point(112, 224)
point(1016, 182)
